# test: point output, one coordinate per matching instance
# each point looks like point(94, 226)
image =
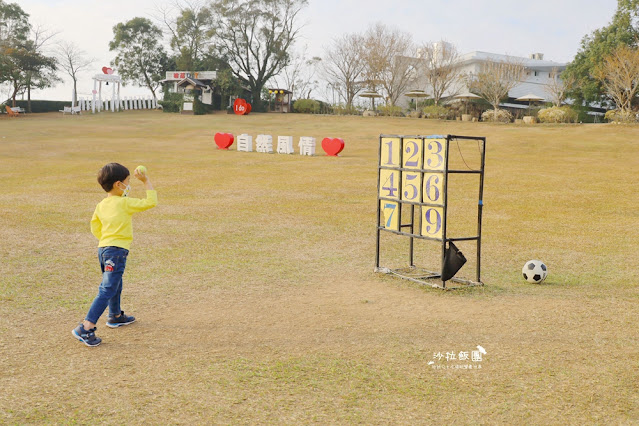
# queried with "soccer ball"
point(534, 271)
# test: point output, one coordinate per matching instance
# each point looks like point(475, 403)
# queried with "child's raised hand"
point(141, 175)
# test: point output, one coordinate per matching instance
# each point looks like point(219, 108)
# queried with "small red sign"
point(224, 140)
point(332, 146)
point(241, 107)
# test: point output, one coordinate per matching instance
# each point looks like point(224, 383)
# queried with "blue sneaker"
point(87, 337)
point(115, 322)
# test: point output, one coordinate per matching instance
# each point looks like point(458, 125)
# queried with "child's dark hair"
point(110, 174)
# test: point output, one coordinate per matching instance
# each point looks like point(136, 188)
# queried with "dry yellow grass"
point(253, 285)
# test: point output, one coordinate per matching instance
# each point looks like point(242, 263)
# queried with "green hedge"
point(306, 106)
point(200, 108)
point(436, 111)
point(390, 111)
point(172, 102)
point(41, 106)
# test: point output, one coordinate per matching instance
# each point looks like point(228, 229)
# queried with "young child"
point(111, 224)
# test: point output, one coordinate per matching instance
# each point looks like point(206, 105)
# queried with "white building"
point(538, 73)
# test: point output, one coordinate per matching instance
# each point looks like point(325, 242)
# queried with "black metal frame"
point(413, 273)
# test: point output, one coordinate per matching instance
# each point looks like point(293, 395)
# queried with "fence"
point(126, 103)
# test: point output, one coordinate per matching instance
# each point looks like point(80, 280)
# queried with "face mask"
point(126, 190)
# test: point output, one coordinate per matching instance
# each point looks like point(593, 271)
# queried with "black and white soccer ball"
point(534, 271)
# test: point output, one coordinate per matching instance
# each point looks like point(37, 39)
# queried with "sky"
point(552, 27)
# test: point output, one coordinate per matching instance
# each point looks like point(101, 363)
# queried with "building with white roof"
point(537, 78)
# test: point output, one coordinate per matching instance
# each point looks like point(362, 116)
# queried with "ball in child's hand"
point(141, 169)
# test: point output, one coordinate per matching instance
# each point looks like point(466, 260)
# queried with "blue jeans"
point(112, 263)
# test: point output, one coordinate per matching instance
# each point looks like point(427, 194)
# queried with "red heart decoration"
point(104, 70)
point(240, 106)
point(332, 146)
point(224, 140)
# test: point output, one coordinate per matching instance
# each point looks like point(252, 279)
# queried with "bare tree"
point(72, 60)
point(440, 63)
point(559, 85)
point(495, 80)
point(387, 54)
point(40, 37)
point(619, 74)
point(344, 66)
point(299, 75)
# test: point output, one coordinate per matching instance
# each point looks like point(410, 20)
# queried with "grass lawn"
point(253, 281)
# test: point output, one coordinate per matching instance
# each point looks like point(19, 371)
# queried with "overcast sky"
point(552, 27)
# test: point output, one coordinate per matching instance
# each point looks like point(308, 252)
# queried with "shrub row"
point(390, 111)
point(436, 111)
point(310, 106)
point(503, 116)
point(563, 114)
point(172, 102)
point(622, 116)
point(39, 106)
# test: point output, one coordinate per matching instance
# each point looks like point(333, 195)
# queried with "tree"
point(25, 67)
point(495, 80)
point(72, 60)
point(344, 66)
point(559, 85)
point(388, 63)
point(227, 84)
point(619, 75)
point(40, 72)
point(299, 75)
point(623, 30)
point(14, 31)
point(255, 36)
point(14, 22)
point(440, 62)
point(22, 64)
point(190, 32)
point(141, 59)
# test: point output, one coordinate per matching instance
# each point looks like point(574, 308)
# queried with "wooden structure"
point(282, 101)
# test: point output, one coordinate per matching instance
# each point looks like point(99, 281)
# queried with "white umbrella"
point(417, 94)
point(530, 98)
point(466, 96)
point(372, 95)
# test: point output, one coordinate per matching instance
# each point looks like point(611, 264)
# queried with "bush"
point(342, 109)
point(170, 106)
point(503, 116)
point(622, 116)
point(41, 106)
point(390, 111)
point(435, 111)
point(563, 114)
point(200, 108)
point(172, 102)
point(306, 106)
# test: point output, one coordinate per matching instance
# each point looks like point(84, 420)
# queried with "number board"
point(412, 194)
point(412, 172)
